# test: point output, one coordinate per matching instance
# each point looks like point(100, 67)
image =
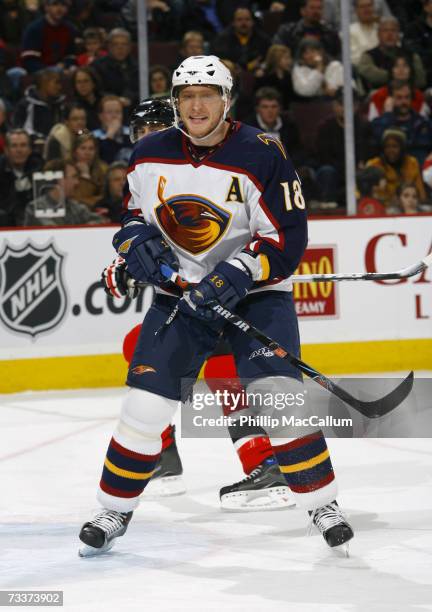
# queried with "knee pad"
point(144, 416)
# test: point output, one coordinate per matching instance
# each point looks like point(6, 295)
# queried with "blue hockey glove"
point(227, 284)
point(144, 249)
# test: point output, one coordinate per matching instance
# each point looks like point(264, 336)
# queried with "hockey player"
point(220, 203)
point(253, 447)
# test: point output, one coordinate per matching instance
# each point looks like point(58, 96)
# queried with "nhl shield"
point(32, 294)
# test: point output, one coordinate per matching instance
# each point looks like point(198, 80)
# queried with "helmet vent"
point(210, 72)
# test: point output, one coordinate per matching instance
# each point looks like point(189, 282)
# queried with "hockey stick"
point(374, 409)
point(366, 276)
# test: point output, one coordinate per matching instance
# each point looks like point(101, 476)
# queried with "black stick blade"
point(379, 407)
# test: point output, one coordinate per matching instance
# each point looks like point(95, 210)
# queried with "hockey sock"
point(306, 465)
point(134, 449)
point(253, 450)
point(126, 473)
point(168, 437)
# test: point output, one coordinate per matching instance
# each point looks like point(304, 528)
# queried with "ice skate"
point(335, 529)
point(98, 535)
point(167, 478)
point(264, 489)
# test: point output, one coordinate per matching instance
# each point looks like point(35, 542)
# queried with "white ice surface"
point(183, 553)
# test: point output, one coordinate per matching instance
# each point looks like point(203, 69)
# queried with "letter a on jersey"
point(234, 192)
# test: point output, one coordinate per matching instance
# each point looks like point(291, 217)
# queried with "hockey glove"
point(144, 250)
point(227, 284)
point(115, 279)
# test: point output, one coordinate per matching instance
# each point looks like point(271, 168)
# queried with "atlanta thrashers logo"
point(32, 296)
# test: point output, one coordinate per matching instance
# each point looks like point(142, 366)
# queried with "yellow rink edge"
point(91, 371)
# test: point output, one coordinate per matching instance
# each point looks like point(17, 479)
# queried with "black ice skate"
point(99, 534)
point(264, 489)
point(167, 478)
point(330, 521)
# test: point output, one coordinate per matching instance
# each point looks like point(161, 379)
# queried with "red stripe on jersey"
point(156, 160)
point(230, 168)
point(126, 200)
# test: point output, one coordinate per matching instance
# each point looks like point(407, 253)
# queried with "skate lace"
point(255, 472)
point(326, 517)
point(109, 521)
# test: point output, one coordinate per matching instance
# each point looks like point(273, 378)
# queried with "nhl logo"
point(32, 295)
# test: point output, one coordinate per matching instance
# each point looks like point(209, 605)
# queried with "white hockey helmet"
point(203, 70)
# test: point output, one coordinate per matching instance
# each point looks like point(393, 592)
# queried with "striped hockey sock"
point(306, 465)
point(125, 475)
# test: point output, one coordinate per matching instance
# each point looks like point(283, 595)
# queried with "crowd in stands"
point(69, 77)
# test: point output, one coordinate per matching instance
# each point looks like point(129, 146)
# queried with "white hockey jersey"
point(244, 195)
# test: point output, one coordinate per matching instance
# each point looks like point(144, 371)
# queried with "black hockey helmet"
point(156, 113)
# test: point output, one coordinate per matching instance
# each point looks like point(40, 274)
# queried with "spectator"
point(192, 44)
point(16, 168)
point(15, 16)
point(330, 150)
point(160, 82)
point(401, 70)
point(90, 168)
point(42, 106)
point(111, 204)
point(113, 135)
point(49, 40)
point(364, 31)
point(61, 197)
point(406, 200)
point(276, 73)
point(267, 117)
point(118, 71)
point(310, 25)
point(86, 92)
point(418, 38)
point(371, 183)
point(417, 129)
point(313, 74)
point(242, 42)
point(62, 136)
point(94, 41)
point(398, 166)
point(375, 65)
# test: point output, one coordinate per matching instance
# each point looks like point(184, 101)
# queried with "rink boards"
point(58, 329)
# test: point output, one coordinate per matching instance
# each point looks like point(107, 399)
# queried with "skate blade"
point(342, 549)
point(91, 551)
point(166, 486)
point(276, 498)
